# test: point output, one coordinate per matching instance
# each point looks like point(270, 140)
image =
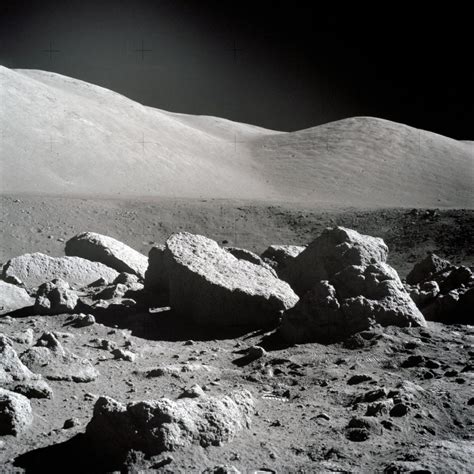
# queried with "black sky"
point(282, 65)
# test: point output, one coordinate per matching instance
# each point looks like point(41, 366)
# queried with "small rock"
point(372, 396)
point(83, 320)
point(399, 410)
point(413, 361)
point(122, 354)
point(71, 423)
point(193, 392)
point(356, 379)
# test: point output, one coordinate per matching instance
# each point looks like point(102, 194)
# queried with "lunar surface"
point(189, 294)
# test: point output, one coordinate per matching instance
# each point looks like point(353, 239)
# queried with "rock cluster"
point(443, 292)
point(345, 287)
point(16, 377)
point(49, 358)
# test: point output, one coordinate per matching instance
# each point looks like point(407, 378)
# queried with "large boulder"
point(354, 299)
point(55, 297)
point(15, 376)
point(165, 425)
point(109, 251)
point(49, 358)
point(211, 286)
point(13, 297)
point(330, 253)
point(16, 414)
point(278, 256)
point(33, 269)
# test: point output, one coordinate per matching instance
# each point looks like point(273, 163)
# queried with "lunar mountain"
point(63, 136)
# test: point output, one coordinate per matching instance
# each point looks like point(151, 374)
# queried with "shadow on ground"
point(76, 455)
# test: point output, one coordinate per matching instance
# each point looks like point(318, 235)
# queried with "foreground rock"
point(16, 377)
point(16, 414)
point(331, 252)
point(13, 298)
point(211, 286)
point(109, 251)
point(49, 358)
point(33, 269)
point(354, 300)
point(442, 291)
point(165, 425)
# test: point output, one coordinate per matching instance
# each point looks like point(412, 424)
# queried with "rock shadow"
point(166, 326)
point(76, 455)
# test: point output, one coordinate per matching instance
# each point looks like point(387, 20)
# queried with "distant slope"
point(64, 136)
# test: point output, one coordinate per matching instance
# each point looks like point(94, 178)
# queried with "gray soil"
point(308, 409)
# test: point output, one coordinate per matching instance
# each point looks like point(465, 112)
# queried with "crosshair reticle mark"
point(51, 51)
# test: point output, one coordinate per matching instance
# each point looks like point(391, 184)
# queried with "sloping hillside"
point(67, 137)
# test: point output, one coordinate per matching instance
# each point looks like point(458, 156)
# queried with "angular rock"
point(211, 286)
point(55, 297)
point(15, 376)
point(109, 251)
point(427, 268)
point(49, 358)
point(16, 414)
point(13, 297)
point(278, 256)
point(331, 252)
point(165, 425)
point(33, 269)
